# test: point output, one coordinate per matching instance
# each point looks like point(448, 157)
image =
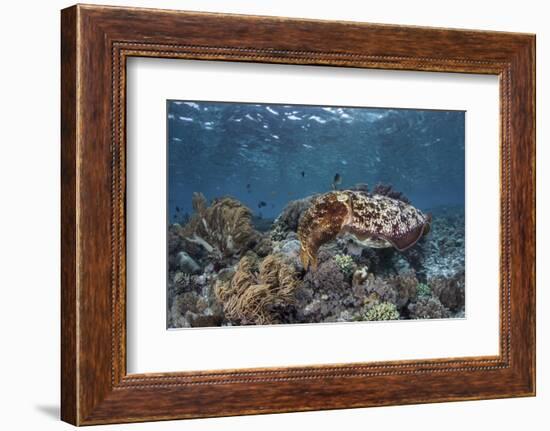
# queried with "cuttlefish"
point(376, 221)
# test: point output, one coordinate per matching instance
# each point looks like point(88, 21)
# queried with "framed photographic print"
point(251, 206)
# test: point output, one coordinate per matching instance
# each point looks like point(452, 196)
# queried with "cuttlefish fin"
point(409, 239)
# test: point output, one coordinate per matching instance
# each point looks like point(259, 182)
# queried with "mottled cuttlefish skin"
point(373, 220)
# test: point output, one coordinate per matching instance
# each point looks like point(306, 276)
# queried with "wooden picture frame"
point(96, 41)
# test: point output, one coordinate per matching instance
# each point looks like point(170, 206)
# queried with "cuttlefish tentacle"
point(322, 224)
point(376, 220)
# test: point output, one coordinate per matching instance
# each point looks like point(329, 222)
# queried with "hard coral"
point(257, 290)
point(224, 228)
point(345, 263)
point(328, 274)
point(423, 290)
point(325, 295)
point(450, 291)
point(396, 289)
point(382, 311)
point(406, 285)
point(428, 308)
point(381, 289)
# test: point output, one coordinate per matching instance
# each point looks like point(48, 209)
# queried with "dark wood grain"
point(96, 41)
point(69, 397)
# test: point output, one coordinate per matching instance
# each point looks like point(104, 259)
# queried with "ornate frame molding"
point(96, 42)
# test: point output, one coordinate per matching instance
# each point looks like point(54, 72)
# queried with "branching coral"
point(406, 285)
point(328, 274)
point(382, 311)
point(397, 289)
point(345, 263)
point(326, 295)
point(423, 290)
point(223, 228)
point(428, 308)
point(255, 291)
point(381, 289)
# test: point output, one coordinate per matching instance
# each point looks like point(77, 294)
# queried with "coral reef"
point(328, 274)
point(325, 295)
point(423, 290)
point(360, 277)
point(345, 263)
point(382, 311)
point(290, 248)
point(254, 293)
point(443, 255)
point(264, 246)
point(396, 289)
point(388, 190)
point(428, 308)
point(191, 302)
point(380, 289)
point(406, 285)
point(226, 268)
point(375, 221)
point(186, 263)
point(289, 218)
point(450, 291)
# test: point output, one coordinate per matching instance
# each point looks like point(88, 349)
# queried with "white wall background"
point(29, 214)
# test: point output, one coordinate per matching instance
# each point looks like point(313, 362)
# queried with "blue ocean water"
point(266, 155)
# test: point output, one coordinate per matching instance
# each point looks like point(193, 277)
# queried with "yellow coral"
point(250, 296)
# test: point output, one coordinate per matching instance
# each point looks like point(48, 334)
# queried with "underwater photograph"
point(291, 214)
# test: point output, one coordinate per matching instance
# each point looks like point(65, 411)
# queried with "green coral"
point(345, 263)
point(423, 290)
point(382, 311)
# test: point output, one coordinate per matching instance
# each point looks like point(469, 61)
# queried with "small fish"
point(248, 186)
point(177, 209)
point(303, 174)
point(261, 204)
point(336, 181)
